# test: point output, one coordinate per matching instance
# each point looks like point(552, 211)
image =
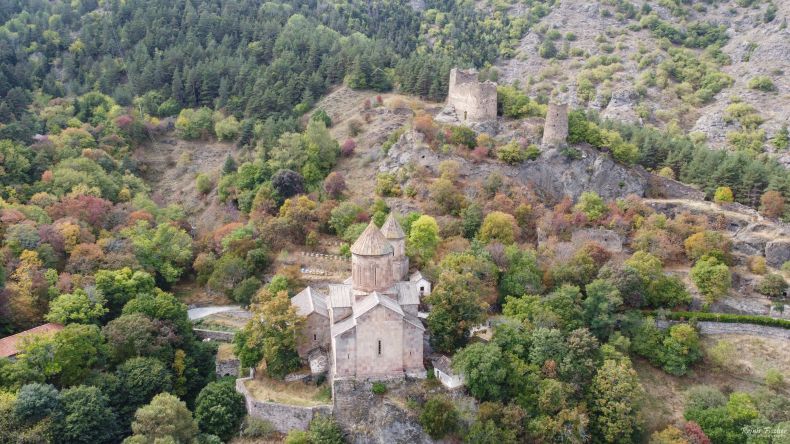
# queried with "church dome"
point(392, 229)
point(371, 243)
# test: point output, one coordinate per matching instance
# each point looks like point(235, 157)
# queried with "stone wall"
point(555, 130)
point(722, 328)
point(606, 238)
point(214, 335)
point(282, 416)
point(228, 367)
point(661, 187)
point(473, 101)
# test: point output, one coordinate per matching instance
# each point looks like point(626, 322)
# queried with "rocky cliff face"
point(375, 419)
point(553, 173)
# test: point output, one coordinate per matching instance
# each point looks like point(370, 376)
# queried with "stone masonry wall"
point(282, 416)
point(473, 101)
point(720, 328)
point(228, 367)
point(555, 130)
point(214, 335)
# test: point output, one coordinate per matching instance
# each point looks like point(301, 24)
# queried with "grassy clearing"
point(293, 393)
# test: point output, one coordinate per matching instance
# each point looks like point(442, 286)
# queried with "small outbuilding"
point(423, 285)
point(443, 370)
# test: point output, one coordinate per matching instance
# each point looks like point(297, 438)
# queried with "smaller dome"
point(392, 229)
point(371, 243)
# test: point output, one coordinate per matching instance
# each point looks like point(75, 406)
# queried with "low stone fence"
point(214, 335)
point(723, 328)
point(334, 257)
point(282, 416)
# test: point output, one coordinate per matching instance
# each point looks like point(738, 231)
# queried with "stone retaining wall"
point(723, 328)
point(228, 367)
point(214, 335)
point(282, 416)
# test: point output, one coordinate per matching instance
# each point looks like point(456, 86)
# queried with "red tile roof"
point(8, 345)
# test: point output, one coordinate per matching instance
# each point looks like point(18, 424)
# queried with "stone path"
point(202, 312)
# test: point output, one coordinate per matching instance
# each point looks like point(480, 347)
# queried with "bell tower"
point(397, 238)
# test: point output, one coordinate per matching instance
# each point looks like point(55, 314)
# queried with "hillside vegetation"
point(155, 153)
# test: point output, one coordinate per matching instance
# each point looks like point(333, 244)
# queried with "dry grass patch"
point(292, 393)
point(225, 352)
point(751, 358)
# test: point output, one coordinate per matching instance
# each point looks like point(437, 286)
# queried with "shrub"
point(297, 437)
point(354, 127)
point(762, 83)
point(347, 148)
point(757, 265)
point(725, 317)
point(379, 388)
point(723, 194)
point(462, 135)
point(439, 417)
point(321, 116)
point(227, 128)
point(772, 285)
point(774, 379)
point(203, 183)
point(324, 430)
point(387, 185)
point(712, 278)
point(532, 152)
point(772, 204)
point(591, 204)
point(511, 153)
point(256, 428)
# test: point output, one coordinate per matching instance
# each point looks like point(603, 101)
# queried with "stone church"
point(368, 324)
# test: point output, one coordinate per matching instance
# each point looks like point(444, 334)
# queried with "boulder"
point(777, 252)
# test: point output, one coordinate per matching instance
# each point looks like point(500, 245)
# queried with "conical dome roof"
point(392, 229)
point(371, 243)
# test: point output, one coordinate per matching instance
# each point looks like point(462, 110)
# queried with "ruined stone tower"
point(555, 130)
point(473, 101)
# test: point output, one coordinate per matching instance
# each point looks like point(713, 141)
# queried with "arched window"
point(379, 347)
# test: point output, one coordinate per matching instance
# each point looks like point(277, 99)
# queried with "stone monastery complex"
point(368, 324)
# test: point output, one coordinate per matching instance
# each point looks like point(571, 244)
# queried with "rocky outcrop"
point(557, 175)
point(553, 173)
point(777, 252)
point(374, 419)
point(622, 106)
point(751, 234)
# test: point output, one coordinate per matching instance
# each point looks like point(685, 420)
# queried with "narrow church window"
point(422, 290)
point(379, 347)
point(315, 337)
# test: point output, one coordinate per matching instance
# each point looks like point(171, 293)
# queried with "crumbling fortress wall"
point(555, 131)
point(473, 101)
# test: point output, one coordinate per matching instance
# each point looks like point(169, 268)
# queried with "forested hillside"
point(98, 237)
